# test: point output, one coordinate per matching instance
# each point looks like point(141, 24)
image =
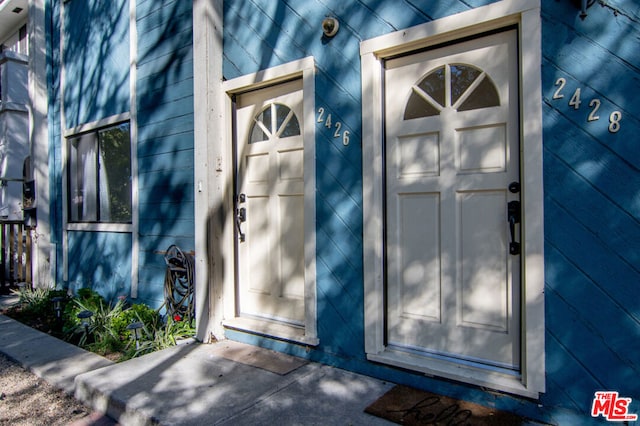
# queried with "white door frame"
point(525, 14)
point(213, 172)
point(305, 70)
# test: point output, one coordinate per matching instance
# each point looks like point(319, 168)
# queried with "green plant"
point(137, 312)
point(164, 336)
point(31, 298)
point(86, 299)
point(36, 308)
point(105, 332)
point(100, 326)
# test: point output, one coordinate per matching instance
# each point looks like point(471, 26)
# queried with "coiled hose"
point(179, 284)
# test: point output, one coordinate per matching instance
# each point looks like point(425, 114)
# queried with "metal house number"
point(576, 101)
point(330, 125)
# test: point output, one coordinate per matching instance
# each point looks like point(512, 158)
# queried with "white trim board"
point(210, 166)
point(525, 14)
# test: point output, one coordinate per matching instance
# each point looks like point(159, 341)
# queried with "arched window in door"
point(459, 86)
point(274, 121)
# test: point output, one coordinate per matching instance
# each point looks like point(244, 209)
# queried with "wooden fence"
point(15, 255)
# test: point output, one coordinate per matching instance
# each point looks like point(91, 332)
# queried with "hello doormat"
point(408, 406)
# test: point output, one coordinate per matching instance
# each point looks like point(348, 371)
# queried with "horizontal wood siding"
point(96, 58)
point(591, 183)
point(165, 138)
point(592, 208)
point(592, 179)
point(52, 11)
point(100, 261)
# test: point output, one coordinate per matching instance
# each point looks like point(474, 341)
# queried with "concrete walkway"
point(226, 383)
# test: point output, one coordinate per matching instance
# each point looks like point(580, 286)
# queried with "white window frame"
point(94, 128)
point(304, 69)
point(525, 14)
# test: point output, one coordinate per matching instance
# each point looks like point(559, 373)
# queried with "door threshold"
point(509, 383)
point(271, 329)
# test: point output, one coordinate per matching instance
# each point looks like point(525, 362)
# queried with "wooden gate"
point(15, 255)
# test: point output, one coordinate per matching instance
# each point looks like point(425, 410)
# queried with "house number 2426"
point(576, 101)
point(337, 126)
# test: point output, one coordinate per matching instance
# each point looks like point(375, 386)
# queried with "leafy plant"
point(105, 332)
point(31, 298)
point(137, 312)
point(100, 326)
point(86, 299)
point(165, 336)
point(36, 307)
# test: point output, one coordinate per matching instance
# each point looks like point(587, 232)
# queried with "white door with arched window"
point(270, 204)
point(452, 169)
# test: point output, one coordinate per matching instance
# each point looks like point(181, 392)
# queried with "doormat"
point(254, 356)
point(408, 406)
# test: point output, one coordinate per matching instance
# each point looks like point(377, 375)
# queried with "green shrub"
point(106, 330)
point(165, 336)
point(86, 299)
point(36, 308)
point(137, 312)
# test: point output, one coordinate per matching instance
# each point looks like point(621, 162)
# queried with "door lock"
point(513, 217)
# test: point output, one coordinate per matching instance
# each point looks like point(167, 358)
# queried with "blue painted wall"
point(592, 180)
point(97, 85)
point(96, 58)
point(96, 65)
point(98, 260)
point(165, 138)
point(592, 204)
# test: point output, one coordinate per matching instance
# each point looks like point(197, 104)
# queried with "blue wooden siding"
point(591, 185)
point(96, 65)
point(96, 58)
point(52, 11)
point(592, 208)
point(96, 261)
point(592, 179)
point(165, 138)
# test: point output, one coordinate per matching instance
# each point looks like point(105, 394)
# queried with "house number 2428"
point(576, 101)
point(337, 126)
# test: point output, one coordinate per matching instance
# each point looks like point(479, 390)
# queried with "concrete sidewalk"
point(228, 383)
point(198, 384)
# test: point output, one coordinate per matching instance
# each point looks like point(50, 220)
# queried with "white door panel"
point(270, 175)
point(452, 149)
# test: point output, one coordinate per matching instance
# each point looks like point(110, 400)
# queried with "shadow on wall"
point(96, 43)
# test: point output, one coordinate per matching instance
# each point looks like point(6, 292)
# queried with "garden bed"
point(116, 330)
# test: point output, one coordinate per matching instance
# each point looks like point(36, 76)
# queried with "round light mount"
point(330, 26)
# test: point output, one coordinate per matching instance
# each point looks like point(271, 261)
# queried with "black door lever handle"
point(513, 217)
point(241, 216)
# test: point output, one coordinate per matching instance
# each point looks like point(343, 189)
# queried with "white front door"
point(452, 152)
point(270, 204)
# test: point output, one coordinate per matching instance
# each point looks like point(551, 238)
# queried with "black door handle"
point(513, 217)
point(241, 216)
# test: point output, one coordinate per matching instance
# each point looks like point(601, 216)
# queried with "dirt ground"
point(25, 399)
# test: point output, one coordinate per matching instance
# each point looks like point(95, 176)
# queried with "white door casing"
point(272, 247)
point(522, 371)
point(452, 138)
